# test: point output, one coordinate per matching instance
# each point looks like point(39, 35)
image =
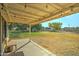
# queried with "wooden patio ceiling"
point(35, 13)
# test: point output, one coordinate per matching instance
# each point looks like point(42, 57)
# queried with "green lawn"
point(19, 35)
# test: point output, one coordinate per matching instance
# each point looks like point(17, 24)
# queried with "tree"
point(24, 27)
point(56, 25)
point(18, 27)
point(37, 27)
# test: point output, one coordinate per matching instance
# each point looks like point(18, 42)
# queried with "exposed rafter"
point(37, 8)
point(26, 21)
point(16, 21)
point(7, 11)
point(21, 16)
point(59, 5)
point(50, 16)
point(23, 11)
point(33, 14)
point(4, 15)
point(54, 7)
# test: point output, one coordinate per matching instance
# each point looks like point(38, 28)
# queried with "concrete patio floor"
point(31, 49)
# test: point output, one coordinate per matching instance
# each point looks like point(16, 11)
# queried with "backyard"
point(59, 43)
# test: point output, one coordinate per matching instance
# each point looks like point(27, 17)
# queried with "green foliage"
point(18, 27)
point(37, 27)
point(24, 27)
point(56, 25)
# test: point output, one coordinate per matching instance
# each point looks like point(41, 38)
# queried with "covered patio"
point(30, 49)
point(31, 14)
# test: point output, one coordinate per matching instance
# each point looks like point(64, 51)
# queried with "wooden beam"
point(1, 44)
point(13, 20)
point(23, 15)
point(19, 21)
point(51, 16)
point(4, 15)
point(0, 7)
point(23, 19)
point(39, 9)
point(60, 5)
point(7, 11)
point(23, 11)
point(54, 6)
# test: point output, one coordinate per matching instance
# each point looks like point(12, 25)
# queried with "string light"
point(46, 6)
point(2, 5)
point(25, 5)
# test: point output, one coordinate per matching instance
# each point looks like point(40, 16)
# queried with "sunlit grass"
point(59, 43)
point(20, 35)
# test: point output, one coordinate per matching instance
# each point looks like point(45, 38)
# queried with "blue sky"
point(71, 20)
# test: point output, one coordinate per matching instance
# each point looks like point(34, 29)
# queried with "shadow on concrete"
point(20, 53)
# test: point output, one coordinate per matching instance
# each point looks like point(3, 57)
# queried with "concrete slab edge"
point(45, 50)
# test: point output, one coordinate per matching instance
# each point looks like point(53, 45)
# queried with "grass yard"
point(59, 43)
point(20, 35)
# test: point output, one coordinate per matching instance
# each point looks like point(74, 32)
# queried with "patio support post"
point(30, 32)
point(7, 34)
point(1, 45)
